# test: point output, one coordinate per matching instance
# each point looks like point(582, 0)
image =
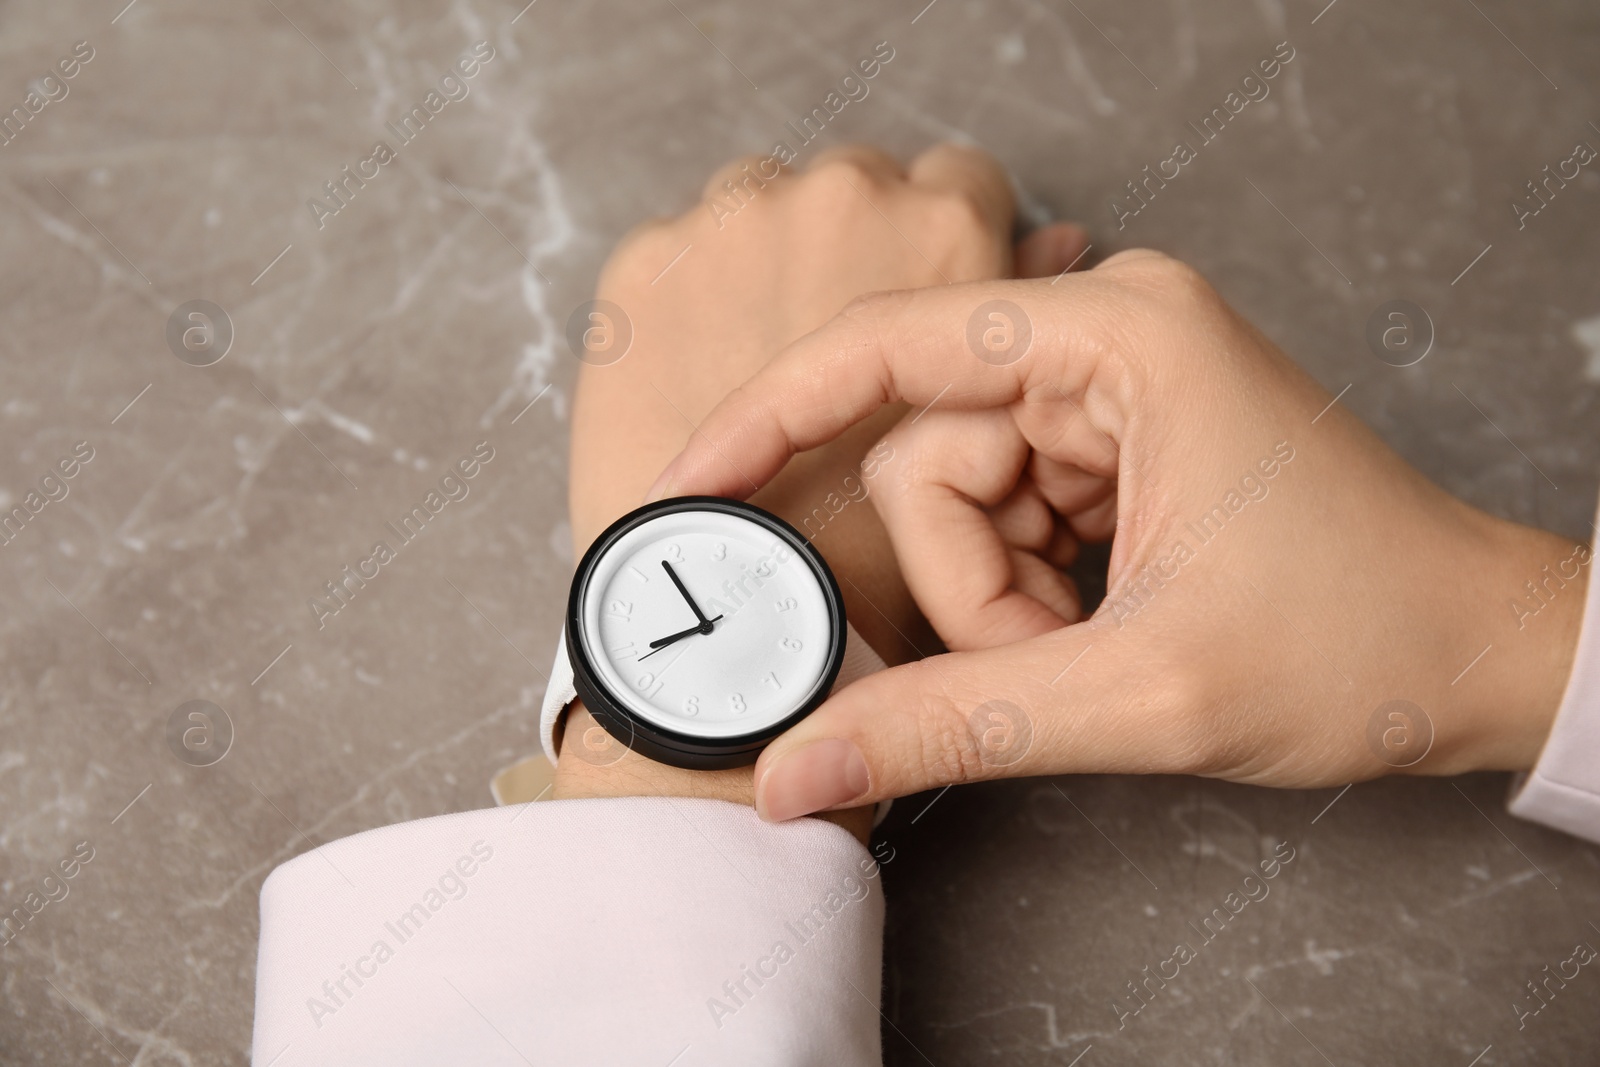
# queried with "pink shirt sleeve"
point(1563, 789)
point(648, 930)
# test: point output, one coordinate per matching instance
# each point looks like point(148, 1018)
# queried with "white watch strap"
point(557, 695)
point(859, 661)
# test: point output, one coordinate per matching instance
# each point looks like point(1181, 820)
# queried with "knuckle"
point(950, 754)
point(1197, 740)
point(839, 183)
point(921, 467)
point(1158, 303)
point(867, 324)
point(962, 237)
point(739, 403)
point(893, 484)
point(1135, 262)
point(956, 216)
point(1025, 521)
point(1130, 256)
point(1170, 280)
point(874, 303)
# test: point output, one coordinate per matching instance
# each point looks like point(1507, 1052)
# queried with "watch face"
point(707, 622)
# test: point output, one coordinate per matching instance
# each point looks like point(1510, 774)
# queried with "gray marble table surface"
point(377, 340)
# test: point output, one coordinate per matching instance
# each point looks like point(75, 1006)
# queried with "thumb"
point(1048, 705)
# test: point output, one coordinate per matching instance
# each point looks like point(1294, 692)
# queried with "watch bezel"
point(656, 741)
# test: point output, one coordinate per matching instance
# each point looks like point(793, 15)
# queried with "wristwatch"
point(697, 630)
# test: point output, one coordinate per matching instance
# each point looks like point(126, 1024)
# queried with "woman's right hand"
point(1278, 576)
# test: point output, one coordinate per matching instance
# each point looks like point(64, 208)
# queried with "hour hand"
point(679, 583)
point(660, 643)
point(670, 638)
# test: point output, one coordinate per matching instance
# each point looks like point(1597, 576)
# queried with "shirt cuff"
point(1563, 789)
point(577, 931)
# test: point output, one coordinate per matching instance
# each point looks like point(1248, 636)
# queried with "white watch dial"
point(771, 631)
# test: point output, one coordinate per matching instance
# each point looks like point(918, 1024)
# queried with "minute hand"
point(679, 583)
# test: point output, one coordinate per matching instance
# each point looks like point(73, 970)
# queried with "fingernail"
point(658, 488)
point(814, 777)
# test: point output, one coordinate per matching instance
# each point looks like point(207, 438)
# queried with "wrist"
point(593, 764)
point(1536, 604)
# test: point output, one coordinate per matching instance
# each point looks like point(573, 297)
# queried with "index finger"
point(976, 345)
